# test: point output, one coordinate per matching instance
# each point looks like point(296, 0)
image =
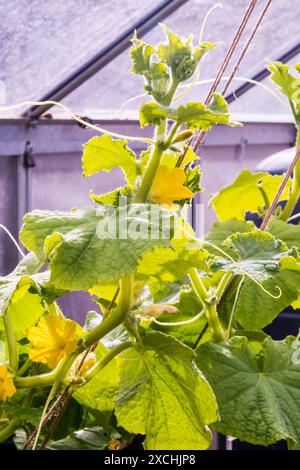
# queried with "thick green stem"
point(115, 318)
point(151, 169)
point(9, 429)
point(106, 359)
point(24, 367)
point(265, 196)
point(45, 379)
point(295, 193)
point(171, 134)
point(171, 92)
point(12, 343)
point(211, 309)
point(224, 283)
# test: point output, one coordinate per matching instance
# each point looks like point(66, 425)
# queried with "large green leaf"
point(255, 308)
point(85, 439)
point(165, 265)
point(88, 247)
point(255, 254)
point(244, 194)
point(194, 115)
point(163, 396)
point(188, 306)
point(220, 231)
point(100, 392)
point(288, 233)
point(258, 397)
point(103, 154)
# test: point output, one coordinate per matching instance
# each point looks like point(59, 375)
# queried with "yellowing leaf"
point(168, 186)
point(244, 195)
point(103, 154)
point(52, 338)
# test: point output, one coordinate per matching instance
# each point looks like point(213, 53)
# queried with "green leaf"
point(87, 247)
point(188, 307)
point(100, 392)
point(140, 55)
point(24, 312)
point(85, 439)
point(180, 54)
point(103, 154)
point(193, 179)
point(163, 396)
point(256, 309)
point(255, 254)
point(258, 397)
point(27, 414)
point(20, 280)
point(287, 83)
point(220, 231)
point(112, 198)
point(152, 113)
point(244, 195)
point(288, 233)
point(196, 116)
point(166, 265)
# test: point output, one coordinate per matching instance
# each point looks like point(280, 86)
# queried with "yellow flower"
point(52, 338)
point(167, 186)
point(88, 362)
point(7, 388)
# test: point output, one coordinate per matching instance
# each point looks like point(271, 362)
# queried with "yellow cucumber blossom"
point(168, 187)
point(88, 362)
point(52, 339)
point(7, 387)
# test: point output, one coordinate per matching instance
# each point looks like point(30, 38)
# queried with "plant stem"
point(106, 359)
point(151, 169)
point(171, 92)
point(24, 367)
point(171, 134)
point(265, 196)
point(224, 283)
point(44, 379)
point(9, 429)
point(211, 309)
point(115, 318)
point(293, 199)
point(234, 307)
point(12, 343)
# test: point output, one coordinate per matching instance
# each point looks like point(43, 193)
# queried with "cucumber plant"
point(179, 348)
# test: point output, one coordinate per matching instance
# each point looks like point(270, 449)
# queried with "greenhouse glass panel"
point(32, 34)
point(111, 90)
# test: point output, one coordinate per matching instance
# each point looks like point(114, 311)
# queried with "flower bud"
point(182, 136)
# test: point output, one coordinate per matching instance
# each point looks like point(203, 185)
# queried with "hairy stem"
point(7, 431)
point(115, 318)
point(293, 199)
point(45, 379)
point(211, 308)
point(12, 343)
point(107, 359)
point(151, 169)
